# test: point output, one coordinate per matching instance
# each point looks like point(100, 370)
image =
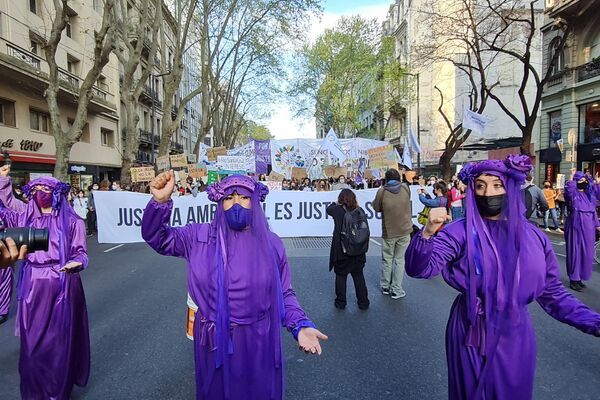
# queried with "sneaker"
point(385, 292)
point(398, 295)
point(547, 230)
point(575, 286)
point(558, 230)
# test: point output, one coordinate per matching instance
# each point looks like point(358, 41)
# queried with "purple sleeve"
point(163, 238)
point(7, 198)
point(570, 191)
point(426, 258)
point(78, 250)
point(563, 306)
point(10, 219)
point(295, 318)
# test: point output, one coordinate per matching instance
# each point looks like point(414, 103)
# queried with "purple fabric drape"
point(6, 284)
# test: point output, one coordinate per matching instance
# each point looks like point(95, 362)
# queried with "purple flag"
point(263, 155)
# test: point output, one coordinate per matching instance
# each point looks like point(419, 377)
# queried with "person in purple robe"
point(581, 197)
point(52, 315)
point(499, 263)
point(6, 285)
point(238, 275)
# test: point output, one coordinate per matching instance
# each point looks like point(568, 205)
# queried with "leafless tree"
point(103, 45)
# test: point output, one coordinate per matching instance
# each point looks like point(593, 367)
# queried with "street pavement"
point(395, 350)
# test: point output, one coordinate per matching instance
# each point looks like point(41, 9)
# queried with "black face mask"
point(490, 206)
point(582, 185)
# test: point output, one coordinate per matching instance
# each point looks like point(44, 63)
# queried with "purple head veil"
point(497, 261)
point(259, 252)
point(579, 175)
point(61, 209)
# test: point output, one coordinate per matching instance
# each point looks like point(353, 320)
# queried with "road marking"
point(375, 241)
point(559, 243)
point(562, 255)
point(114, 248)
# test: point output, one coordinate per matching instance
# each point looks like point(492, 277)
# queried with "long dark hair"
point(348, 198)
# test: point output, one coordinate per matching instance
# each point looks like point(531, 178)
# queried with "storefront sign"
point(25, 145)
point(78, 168)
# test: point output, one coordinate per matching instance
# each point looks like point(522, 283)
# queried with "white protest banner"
point(236, 163)
point(474, 121)
point(331, 143)
point(290, 213)
point(560, 181)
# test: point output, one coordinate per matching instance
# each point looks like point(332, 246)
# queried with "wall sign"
point(25, 145)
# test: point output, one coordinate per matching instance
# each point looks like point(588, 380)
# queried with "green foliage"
point(349, 70)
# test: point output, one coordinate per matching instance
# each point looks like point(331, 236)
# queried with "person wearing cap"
point(499, 263)
point(239, 277)
point(581, 195)
point(52, 316)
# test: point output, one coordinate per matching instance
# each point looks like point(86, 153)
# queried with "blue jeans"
point(457, 212)
point(552, 212)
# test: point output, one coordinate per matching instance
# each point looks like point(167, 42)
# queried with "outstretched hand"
point(163, 186)
point(72, 266)
point(308, 340)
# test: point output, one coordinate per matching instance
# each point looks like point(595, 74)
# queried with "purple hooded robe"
point(241, 282)
point(490, 340)
point(580, 227)
point(6, 284)
point(52, 316)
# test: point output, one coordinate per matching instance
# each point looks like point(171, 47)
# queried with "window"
point(589, 117)
point(7, 113)
point(559, 63)
point(33, 6)
point(207, 141)
point(107, 137)
point(555, 129)
point(85, 131)
point(72, 65)
point(69, 29)
point(39, 121)
point(102, 83)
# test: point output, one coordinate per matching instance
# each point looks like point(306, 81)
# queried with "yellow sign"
point(381, 157)
point(178, 160)
point(214, 152)
point(142, 174)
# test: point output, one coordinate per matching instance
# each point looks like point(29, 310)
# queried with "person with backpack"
point(534, 198)
point(393, 202)
point(440, 199)
point(349, 246)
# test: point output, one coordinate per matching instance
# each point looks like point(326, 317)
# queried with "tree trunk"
point(63, 152)
point(131, 141)
point(526, 143)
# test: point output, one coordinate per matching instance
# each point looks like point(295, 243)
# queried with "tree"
point(479, 38)
point(334, 72)
point(252, 130)
point(137, 32)
point(103, 46)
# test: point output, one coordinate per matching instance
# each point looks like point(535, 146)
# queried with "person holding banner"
point(239, 277)
point(499, 262)
point(581, 194)
point(52, 317)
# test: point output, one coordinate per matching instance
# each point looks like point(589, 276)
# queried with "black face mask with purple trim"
point(490, 206)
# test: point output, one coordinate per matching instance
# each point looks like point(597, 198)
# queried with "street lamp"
point(154, 94)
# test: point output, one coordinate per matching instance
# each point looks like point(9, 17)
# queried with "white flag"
point(414, 143)
point(406, 158)
point(331, 143)
point(474, 121)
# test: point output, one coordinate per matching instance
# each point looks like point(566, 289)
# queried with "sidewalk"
point(540, 223)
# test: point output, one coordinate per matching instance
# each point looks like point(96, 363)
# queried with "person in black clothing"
point(343, 264)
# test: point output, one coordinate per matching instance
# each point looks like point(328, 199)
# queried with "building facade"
point(24, 119)
point(570, 115)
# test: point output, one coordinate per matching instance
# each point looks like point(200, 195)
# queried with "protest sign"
point(380, 157)
point(178, 160)
point(214, 152)
point(275, 177)
point(560, 181)
point(163, 163)
point(329, 171)
point(192, 158)
point(368, 174)
point(272, 185)
point(142, 174)
point(299, 173)
point(194, 171)
point(235, 163)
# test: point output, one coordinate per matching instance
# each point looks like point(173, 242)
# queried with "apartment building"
point(570, 120)
point(24, 119)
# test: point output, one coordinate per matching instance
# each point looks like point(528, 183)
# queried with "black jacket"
point(338, 261)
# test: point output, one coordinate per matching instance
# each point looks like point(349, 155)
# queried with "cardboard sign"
point(368, 174)
point(329, 171)
point(560, 181)
point(299, 173)
point(380, 157)
point(194, 171)
point(235, 163)
point(180, 176)
point(163, 163)
point(214, 152)
point(273, 185)
point(275, 177)
point(178, 160)
point(142, 174)
point(339, 171)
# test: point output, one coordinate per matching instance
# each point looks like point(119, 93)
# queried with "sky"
point(282, 124)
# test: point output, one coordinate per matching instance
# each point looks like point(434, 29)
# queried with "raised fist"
point(437, 217)
point(4, 170)
point(163, 186)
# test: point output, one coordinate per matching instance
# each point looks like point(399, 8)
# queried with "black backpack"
point(355, 232)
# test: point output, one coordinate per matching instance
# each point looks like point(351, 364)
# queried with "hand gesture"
point(9, 252)
point(573, 170)
point(308, 340)
point(163, 186)
point(597, 177)
point(437, 217)
point(4, 170)
point(72, 266)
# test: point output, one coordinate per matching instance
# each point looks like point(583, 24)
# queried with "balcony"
point(145, 136)
point(589, 70)
point(150, 97)
point(556, 79)
point(20, 65)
